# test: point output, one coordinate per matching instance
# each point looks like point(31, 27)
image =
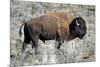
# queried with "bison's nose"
point(81, 36)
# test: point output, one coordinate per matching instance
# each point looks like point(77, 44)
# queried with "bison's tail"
point(20, 32)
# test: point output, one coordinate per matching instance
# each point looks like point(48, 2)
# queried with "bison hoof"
point(36, 52)
point(58, 47)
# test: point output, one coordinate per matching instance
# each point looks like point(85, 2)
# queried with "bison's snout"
point(82, 33)
point(81, 36)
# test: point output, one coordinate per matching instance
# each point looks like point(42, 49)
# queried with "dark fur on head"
point(78, 27)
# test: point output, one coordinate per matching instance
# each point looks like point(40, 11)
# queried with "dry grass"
point(73, 51)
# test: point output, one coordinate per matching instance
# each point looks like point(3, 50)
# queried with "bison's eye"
point(77, 23)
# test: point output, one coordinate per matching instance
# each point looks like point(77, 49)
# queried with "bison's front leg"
point(59, 44)
point(60, 41)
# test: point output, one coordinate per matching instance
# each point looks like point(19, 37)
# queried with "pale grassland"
point(71, 52)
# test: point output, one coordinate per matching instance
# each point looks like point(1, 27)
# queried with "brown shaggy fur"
point(63, 21)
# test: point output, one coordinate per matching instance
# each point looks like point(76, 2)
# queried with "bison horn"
point(77, 23)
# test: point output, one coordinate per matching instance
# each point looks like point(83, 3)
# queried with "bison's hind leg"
point(26, 41)
point(35, 43)
point(27, 38)
point(24, 47)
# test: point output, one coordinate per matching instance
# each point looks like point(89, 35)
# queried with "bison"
point(58, 26)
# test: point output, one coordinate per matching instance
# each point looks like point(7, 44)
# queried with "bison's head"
point(78, 27)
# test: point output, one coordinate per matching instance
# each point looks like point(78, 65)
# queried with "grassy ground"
point(71, 52)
